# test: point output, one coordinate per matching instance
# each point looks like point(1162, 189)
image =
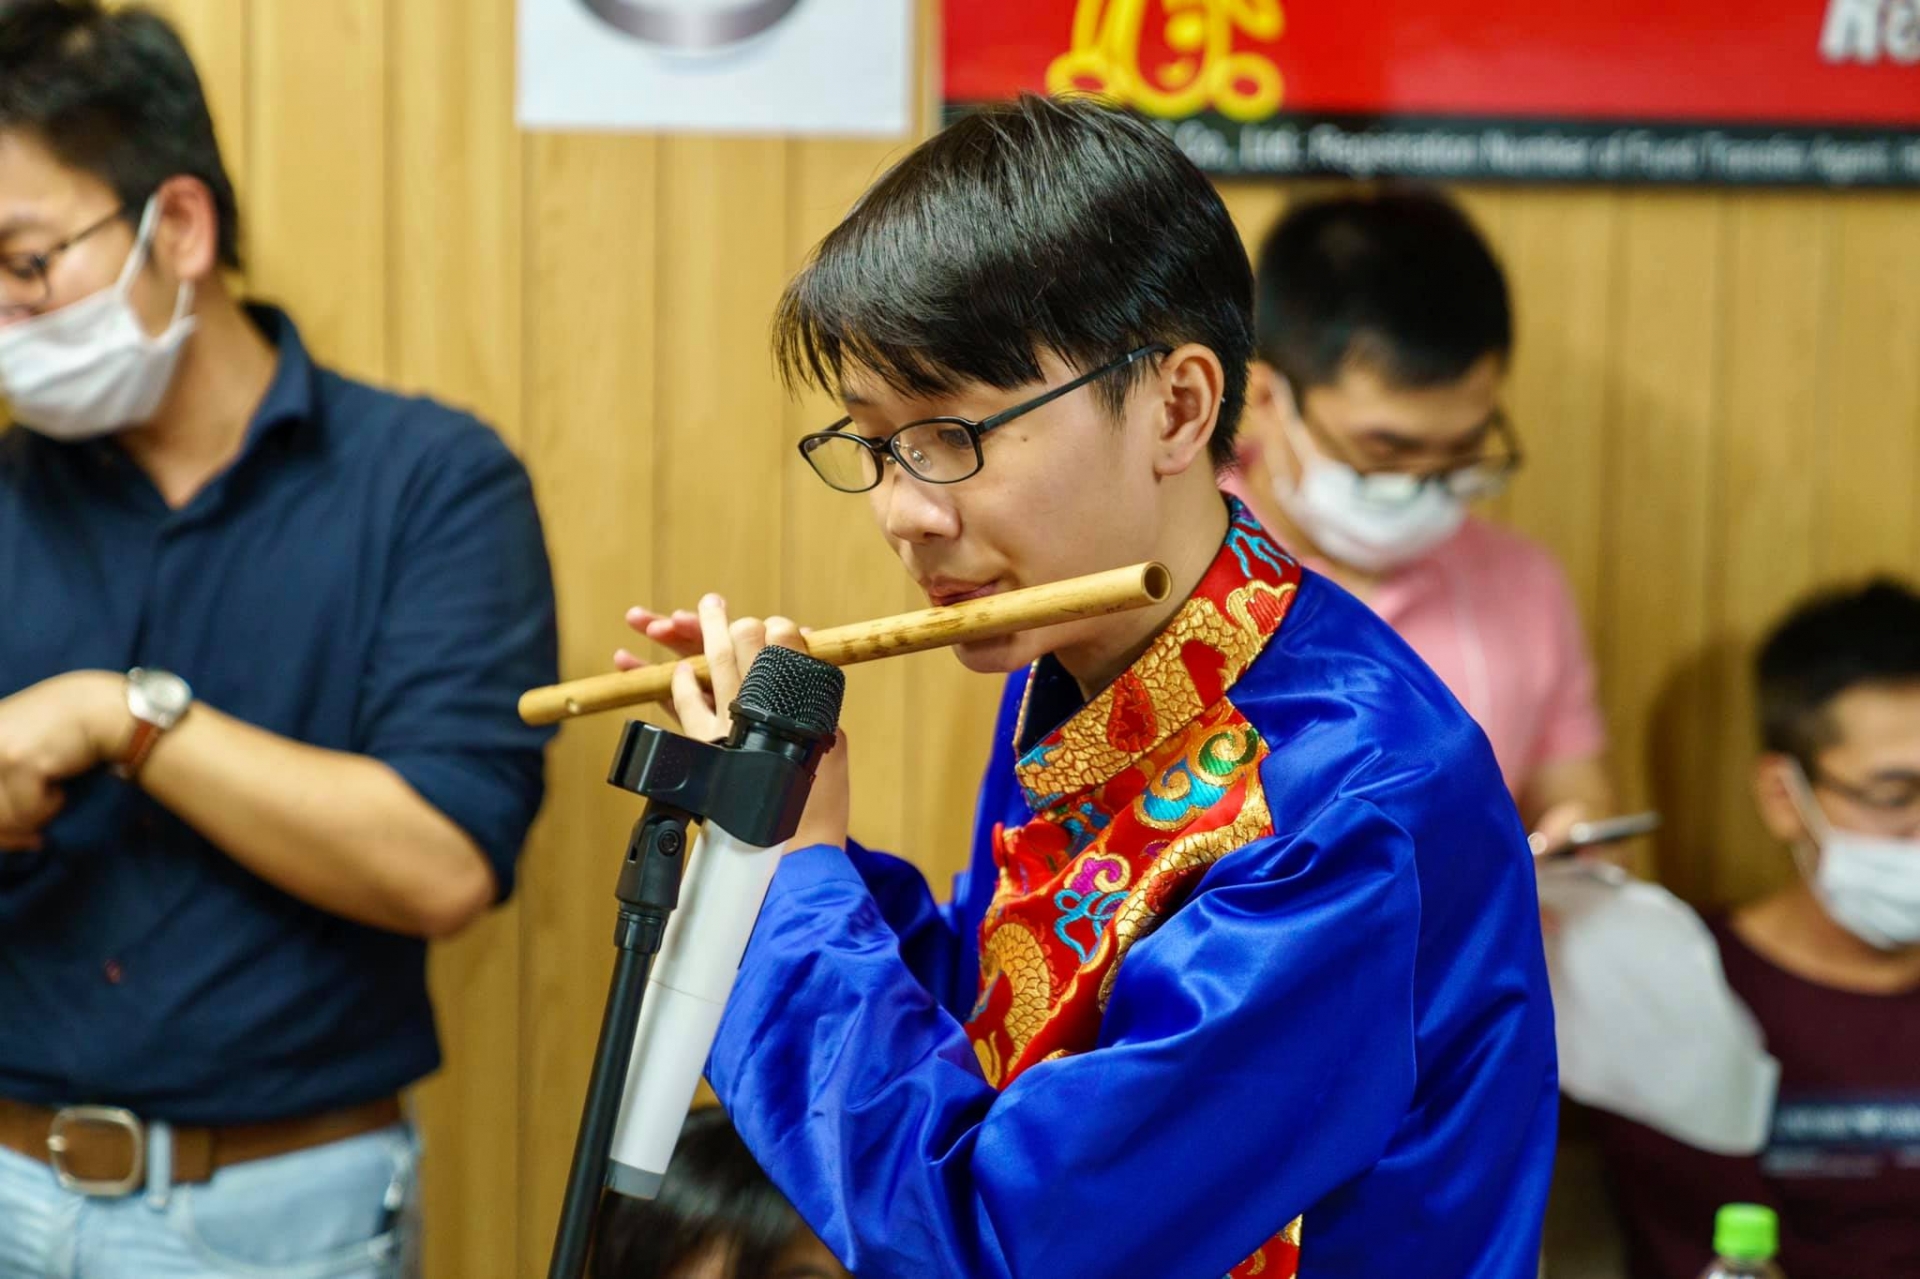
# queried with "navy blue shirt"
point(369, 576)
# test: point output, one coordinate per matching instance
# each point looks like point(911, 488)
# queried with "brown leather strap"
point(146, 735)
point(98, 1152)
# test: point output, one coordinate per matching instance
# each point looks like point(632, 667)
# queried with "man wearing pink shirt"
point(1373, 419)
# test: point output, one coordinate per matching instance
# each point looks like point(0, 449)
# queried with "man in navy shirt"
point(218, 872)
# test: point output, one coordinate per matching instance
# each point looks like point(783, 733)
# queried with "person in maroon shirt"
point(1830, 967)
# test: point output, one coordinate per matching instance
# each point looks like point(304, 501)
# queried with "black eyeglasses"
point(25, 280)
point(939, 450)
point(1482, 477)
point(1894, 801)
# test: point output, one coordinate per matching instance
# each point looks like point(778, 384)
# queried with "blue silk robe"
point(1245, 976)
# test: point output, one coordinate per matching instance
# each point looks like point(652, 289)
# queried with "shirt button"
point(114, 972)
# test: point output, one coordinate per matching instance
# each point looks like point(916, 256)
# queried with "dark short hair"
point(112, 93)
point(1834, 642)
point(1397, 281)
point(714, 1195)
point(1043, 224)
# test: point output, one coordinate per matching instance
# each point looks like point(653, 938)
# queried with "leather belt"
point(102, 1150)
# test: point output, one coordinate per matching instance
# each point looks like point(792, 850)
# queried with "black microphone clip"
point(755, 786)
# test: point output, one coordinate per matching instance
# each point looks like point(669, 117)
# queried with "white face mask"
point(1869, 884)
point(1329, 506)
point(89, 368)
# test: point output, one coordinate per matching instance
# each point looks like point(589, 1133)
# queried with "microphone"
point(783, 722)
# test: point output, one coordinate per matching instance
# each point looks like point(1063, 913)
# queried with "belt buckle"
point(103, 1117)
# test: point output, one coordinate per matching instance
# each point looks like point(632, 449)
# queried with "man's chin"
point(995, 656)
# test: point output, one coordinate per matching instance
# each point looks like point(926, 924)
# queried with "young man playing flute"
point(1246, 974)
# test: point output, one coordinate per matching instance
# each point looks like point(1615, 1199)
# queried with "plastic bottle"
point(1746, 1237)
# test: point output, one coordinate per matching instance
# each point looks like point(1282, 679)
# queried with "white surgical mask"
point(1328, 505)
point(89, 369)
point(1869, 884)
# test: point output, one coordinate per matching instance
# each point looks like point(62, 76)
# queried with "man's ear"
point(1261, 380)
point(1774, 785)
point(1192, 383)
point(1280, 390)
point(1263, 421)
point(186, 242)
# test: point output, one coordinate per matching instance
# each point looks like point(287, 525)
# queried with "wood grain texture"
point(1870, 501)
point(454, 289)
point(593, 307)
point(1660, 484)
point(1765, 525)
point(319, 187)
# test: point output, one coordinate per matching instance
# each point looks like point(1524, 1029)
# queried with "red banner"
point(1777, 91)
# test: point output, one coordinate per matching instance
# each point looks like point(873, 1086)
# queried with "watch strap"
point(146, 735)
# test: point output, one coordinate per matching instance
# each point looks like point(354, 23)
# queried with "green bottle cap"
point(1746, 1232)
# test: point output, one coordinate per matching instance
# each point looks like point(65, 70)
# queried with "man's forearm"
point(341, 832)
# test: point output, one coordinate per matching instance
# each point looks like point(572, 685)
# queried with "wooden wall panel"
point(1870, 501)
point(1771, 370)
point(592, 307)
point(1719, 393)
point(454, 293)
point(722, 257)
point(316, 163)
point(1660, 420)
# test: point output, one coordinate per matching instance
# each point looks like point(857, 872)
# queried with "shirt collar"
point(291, 397)
point(1188, 668)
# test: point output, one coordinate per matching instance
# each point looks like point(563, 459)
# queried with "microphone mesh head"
point(789, 686)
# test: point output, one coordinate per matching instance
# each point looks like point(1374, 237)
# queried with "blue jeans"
point(340, 1211)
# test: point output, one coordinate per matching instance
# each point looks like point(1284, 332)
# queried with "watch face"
point(159, 697)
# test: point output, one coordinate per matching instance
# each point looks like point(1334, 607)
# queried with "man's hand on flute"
point(730, 647)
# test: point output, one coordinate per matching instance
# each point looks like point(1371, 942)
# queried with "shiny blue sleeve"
point(928, 934)
point(938, 939)
point(1266, 1027)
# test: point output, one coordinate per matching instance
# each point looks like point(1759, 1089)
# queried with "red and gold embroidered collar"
point(1135, 795)
point(1188, 668)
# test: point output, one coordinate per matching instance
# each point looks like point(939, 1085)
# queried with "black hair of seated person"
point(1396, 280)
point(111, 91)
point(1855, 637)
point(714, 1194)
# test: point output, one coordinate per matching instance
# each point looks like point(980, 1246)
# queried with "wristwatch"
point(158, 700)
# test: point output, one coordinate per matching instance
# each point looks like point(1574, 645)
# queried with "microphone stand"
point(755, 787)
point(648, 890)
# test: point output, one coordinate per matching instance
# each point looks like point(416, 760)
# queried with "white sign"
point(841, 67)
